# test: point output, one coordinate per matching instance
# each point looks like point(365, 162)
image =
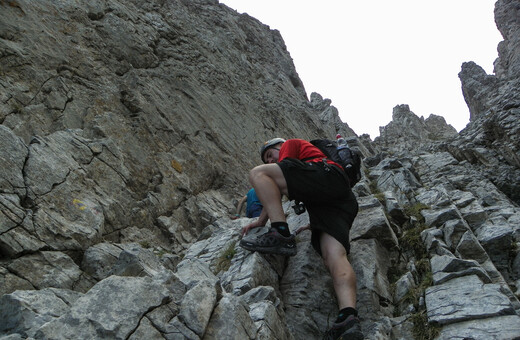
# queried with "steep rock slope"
point(132, 111)
point(492, 139)
point(126, 129)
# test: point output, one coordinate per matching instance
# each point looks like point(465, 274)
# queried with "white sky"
point(369, 56)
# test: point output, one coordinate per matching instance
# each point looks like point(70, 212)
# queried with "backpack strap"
point(309, 158)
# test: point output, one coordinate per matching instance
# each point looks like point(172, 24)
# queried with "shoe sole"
point(270, 250)
point(352, 334)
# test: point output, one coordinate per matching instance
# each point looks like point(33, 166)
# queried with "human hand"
point(250, 226)
point(302, 228)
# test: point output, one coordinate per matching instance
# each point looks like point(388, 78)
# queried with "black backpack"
point(350, 160)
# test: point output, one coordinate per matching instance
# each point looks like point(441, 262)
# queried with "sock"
point(344, 313)
point(282, 227)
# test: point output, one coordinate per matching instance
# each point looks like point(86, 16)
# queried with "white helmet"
point(269, 144)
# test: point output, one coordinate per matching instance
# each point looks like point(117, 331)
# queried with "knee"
point(332, 252)
point(255, 173)
point(329, 260)
point(337, 263)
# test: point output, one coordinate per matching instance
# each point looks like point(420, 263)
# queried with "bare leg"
point(343, 276)
point(270, 185)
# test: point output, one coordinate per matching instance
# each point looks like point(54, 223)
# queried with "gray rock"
point(248, 270)
point(112, 308)
point(125, 123)
point(470, 248)
point(261, 293)
point(403, 286)
point(473, 214)
point(193, 271)
point(465, 298)
point(17, 234)
point(24, 312)
point(305, 281)
point(437, 217)
point(371, 272)
point(434, 242)
point(146, 330)
point(401, 328)
point(497, 240)
point(176, 330)
point(477, 87)
point(435, 197)
point(210, 249)
point(231, 320)
point(12, 337)
point(12, 282)
point(516, 265)
point(13, 153)
point(136, 261)
point(99, 259)
point(435, 163)
point(406, 130)
point(453, 230)
point(445, 268)
point(393, 208)
point(254, 270)
point(372, 223)
point(497, 328)
point(269, 321)
point(197, 305)
point(50, 269)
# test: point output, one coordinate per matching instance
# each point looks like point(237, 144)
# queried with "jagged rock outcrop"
point(507, 66)
point(477, 88)
point(494, 93)
point(126, 130)
point(407, 132)
point(492, 139)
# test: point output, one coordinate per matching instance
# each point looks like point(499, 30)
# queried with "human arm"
point(239, 207)
point(260, 222)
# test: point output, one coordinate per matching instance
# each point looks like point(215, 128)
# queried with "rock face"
point(127, 128)
point(115, 114)
point(494, 102)
point(407, 132)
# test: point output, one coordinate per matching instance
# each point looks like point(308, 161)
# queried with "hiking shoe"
point(350, 329)
point(271, 242)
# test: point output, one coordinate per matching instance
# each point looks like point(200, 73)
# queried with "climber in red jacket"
point(299, 170)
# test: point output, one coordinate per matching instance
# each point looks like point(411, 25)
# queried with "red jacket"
point(302, 150)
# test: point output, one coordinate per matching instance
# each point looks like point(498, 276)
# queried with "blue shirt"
point(253, 207)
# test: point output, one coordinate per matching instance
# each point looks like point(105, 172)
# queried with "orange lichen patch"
point(176, 165)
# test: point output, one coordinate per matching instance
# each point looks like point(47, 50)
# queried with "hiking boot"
point(271, 242)
point(349, 329)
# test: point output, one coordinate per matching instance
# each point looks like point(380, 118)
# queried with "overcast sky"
point(369, 56)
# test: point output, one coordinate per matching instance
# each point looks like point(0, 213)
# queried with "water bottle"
point(342, 143)
point(344, 151)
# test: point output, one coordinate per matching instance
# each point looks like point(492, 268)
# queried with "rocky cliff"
point(127, 131)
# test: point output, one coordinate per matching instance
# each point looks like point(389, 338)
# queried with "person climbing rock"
point(299, 170)
point(253, 205)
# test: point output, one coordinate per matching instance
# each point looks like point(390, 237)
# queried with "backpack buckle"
point(299, 208)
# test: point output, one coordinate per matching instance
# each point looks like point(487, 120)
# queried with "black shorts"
point(325, 191)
